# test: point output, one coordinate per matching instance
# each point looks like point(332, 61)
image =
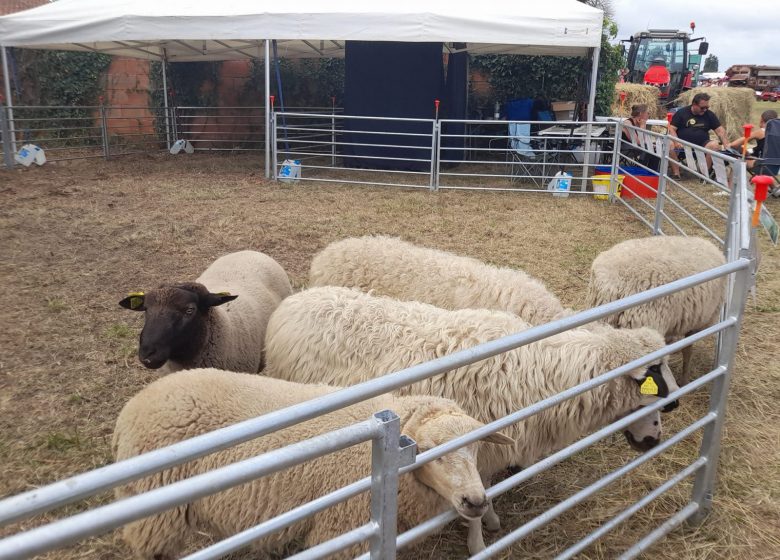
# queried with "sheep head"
point(175, 321)
point(645, 433)
point(454, 476)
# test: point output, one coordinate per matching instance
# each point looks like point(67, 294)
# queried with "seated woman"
point(639, 115)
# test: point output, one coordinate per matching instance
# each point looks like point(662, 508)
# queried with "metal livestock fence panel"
point(312, 138)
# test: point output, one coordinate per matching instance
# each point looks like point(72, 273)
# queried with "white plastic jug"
point(28, 154)
point(290, 171)
point(180, 145)
point(560, 184)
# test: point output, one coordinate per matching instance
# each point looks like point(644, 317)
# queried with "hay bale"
point(733, 106)
point(636, 94)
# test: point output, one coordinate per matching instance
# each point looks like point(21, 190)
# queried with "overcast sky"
point(738, 31)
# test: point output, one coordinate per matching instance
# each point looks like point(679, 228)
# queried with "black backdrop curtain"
point(389, 79)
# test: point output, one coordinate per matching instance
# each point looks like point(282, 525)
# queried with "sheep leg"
point(687, 354)
point(476, 542)
point(490, 519)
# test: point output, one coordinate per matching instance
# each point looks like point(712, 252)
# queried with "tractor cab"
point(659, 57)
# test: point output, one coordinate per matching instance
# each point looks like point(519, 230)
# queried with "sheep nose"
point(649, 442)
point(671, 406)
point(471, 504)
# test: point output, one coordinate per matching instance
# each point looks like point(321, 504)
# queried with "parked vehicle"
point(660, 57)
point(769, 95)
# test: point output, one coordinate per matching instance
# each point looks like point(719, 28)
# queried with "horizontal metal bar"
point(575, 499)
point(71, 107)
point(538, 190)
point(288, 152)
point(639, 216)
point(668, 526)
point(105, 518)
point(699, 199)
point(279, 522)
point(343, 131)
point(497, 122)
point(360, 144)
point(441, 520)
point(693, 218)
point(80, 486)
point(356, 117)
point(377, 184)
point(361, 170)
point(339, 543)
point(631, 510)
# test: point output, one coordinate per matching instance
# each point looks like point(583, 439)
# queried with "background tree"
point(711, 64)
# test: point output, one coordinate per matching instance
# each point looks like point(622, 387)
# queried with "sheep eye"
point(189, 311)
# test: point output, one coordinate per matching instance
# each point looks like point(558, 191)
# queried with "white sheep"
point(189, 403)
point(197, 324)
point(395, 268)
point(342, 336)
point(637, 265)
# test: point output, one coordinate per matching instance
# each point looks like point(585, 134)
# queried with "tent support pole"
point(9, 101)
point(267, 104)
point(165, 98)
point(593, 82)
point(594, 71)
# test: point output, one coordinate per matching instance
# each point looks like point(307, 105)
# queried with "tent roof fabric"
point(195, 30)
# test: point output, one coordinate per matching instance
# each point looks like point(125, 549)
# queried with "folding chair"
point(522, 156)
point(769, 162)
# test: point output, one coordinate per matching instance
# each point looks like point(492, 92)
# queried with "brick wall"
point(127, 93)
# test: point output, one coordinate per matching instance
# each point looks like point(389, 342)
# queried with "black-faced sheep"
point(198, 324)
point(391, 267)
point(189, 403)
point(342, 336)
point(637, 265)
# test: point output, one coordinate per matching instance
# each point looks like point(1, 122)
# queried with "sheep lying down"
point(185, 404)
point(217, 321)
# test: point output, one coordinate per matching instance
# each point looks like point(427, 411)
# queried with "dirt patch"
point(76, 236)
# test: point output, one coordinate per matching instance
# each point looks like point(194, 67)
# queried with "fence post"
point(333, 132)
point(615, 161)
point(704, 484)
point(662, 171)
point(385, 462)
point(435, 146)
point(274, 154)
point(104, 130)
point(5, 136)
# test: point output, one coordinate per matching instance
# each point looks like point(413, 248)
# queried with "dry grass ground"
point(74, 237)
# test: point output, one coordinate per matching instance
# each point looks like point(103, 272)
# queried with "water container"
point(290, 171)
point(560, 184)
point(180, 145)
point(28, 154)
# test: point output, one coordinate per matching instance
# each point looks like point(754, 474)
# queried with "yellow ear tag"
point(136, 302)
point(135, 294)
point(224, 293)
point(648, 387)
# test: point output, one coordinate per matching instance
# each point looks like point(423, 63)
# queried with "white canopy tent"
point(200, 30)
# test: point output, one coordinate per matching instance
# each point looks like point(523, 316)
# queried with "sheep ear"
point(218, 299)
point(500, 439)
point(134, 301)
